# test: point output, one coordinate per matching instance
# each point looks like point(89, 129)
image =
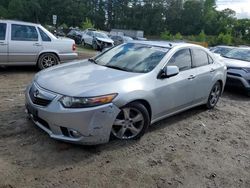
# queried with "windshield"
point(132, 57)
point(101, 35)
point(240, 54)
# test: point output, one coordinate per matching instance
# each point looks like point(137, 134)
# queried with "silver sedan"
point(120, 92)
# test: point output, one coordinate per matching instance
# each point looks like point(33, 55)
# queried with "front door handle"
point(191, 77)
point(212, 70)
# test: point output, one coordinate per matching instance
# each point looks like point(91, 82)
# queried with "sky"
point(242, 7)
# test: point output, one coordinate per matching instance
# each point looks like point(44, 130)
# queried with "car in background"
point(23, 43)
point(238, 68)
point(98, 40)
point(76, 35)
point(120, 92)
point(221, 50)
point(120, 39)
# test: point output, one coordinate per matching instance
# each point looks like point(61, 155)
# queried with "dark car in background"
point(76, 35)
point(238, 68)
point(120, 39)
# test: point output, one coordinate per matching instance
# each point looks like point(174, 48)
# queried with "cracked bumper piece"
point(87, 126)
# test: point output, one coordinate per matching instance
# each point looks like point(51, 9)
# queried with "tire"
point(83, 43)
point(214, 95)
point(131, 123)
point(47, 60)
point(94, 45)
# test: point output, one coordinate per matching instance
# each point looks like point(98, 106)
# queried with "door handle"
point(37, 44)
point(191, 77)
point(212, 70)
point(3, 43)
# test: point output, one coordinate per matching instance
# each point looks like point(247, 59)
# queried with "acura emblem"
point(36, 93)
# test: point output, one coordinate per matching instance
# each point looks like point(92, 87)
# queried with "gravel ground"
point(197, 148)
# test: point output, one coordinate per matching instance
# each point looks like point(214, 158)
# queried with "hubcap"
point(48, 61)
point(215, 94)
point(128, 124)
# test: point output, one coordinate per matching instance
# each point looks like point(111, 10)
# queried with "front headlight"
point(84, 102)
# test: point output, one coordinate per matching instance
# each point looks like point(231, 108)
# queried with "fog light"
point(75, 134)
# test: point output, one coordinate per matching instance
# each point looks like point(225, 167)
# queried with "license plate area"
point(32, 111)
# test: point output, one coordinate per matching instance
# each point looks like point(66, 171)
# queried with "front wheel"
point(214, 95)
point(131, 122)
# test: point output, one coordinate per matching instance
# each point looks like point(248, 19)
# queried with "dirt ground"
point(197, 148)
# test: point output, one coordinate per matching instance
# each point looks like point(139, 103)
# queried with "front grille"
point(39, 96)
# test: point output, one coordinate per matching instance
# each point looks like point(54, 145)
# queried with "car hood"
point(105, 40)
point(235, 62)
point(81, 79)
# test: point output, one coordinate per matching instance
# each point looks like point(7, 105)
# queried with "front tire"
point(214, 95)
point(47, 60)
point(131, 123)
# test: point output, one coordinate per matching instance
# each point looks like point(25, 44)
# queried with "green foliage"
point(166, 35)
point(87, 24)
point(201, 37)
point(225, 39)
point(153, 17)
point(178, 36)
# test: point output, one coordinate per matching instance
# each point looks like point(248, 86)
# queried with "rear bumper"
point(68, 57)
point(93, 124)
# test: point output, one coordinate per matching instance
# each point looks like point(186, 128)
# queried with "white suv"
point(23, 43)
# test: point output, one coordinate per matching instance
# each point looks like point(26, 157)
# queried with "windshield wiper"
point(92, 60)
point(114, 67)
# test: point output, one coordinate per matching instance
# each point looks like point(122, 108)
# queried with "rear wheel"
point(214, 95)
point(94, 45)
point(131, 122)
point(47, 60)
point(83, 43)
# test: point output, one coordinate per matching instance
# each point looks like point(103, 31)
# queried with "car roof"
point(224, 46)
point(166, 44)
point(18, 22)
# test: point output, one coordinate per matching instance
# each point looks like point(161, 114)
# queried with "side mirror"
point(168, 71)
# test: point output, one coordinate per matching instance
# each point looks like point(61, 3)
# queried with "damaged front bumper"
point(87, 126)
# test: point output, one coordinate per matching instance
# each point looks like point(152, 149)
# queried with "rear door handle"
point(3, 44)
point(191, 77)
point(37, 44)
point(212, 70)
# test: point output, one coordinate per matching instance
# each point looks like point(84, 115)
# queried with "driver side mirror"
point(168, 71)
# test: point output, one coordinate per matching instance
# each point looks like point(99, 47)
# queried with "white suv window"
point(23, 33)
point(2, 31)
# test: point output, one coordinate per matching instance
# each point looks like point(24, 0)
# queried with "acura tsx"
point(123, 90)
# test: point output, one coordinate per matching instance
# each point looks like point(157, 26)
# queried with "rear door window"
point(200, 58)
point(181, 59)
point(23, 33)
point(2, 31)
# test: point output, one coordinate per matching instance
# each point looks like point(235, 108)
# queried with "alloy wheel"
point(215, 94)
point(128, 124)
point(48, 61)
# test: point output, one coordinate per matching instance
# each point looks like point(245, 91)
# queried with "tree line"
point(155, 17)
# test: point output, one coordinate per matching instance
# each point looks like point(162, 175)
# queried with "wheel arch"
point(47, 52)
point(144, 103)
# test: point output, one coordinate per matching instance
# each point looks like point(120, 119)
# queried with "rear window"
point(23, 33)
point(44, 36)
point(2, 31)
